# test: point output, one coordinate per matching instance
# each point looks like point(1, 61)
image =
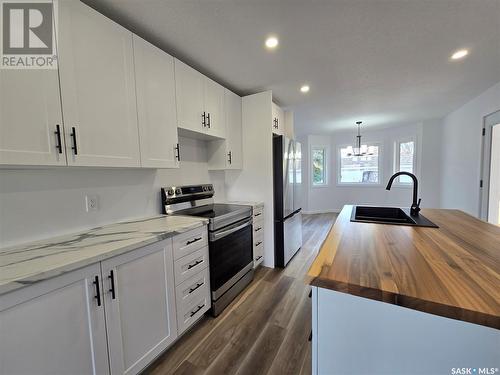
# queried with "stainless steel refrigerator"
point(287, 171)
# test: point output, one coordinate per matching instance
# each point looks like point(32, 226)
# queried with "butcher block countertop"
point(451, 271)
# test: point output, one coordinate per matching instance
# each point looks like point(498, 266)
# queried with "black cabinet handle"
point(178, 152)
point(258, 258)
point(204, 119)
point(258, 243)
point(208, 120)
point(257, 229)
point(197, 309)
point(73, 135)
point(191, 290)
point(230, 154)
point(193, 241)
point(97, 290)
point(112, 278)
point(195, 264)
point(257, 214)
point(58, 138)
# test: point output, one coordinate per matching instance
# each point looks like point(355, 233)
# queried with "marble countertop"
point(245, 203)
point(33, 262)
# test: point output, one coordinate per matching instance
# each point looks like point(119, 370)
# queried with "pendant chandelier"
point(359, 149)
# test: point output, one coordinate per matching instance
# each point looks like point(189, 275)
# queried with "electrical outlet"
point(92, 202)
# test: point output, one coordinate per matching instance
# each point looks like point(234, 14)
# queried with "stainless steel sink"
point(389, 215)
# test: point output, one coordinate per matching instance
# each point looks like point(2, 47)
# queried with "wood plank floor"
point(266, 328)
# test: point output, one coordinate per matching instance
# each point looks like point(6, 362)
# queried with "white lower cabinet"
point(55, 327)
point(258, 235)
point(140, 306)
point(114, 317)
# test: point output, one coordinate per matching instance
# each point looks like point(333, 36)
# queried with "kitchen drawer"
point(258, 227)
point(258, 213)
point(258, 253)
point(191, 289)
point(192, 311)
point(258, 237)
point(189, 265)
point(188, 242)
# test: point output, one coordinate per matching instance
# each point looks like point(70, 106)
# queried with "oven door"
point(230, 252)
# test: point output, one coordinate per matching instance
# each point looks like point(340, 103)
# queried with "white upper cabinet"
point(278, 120)
point(228, 153)
point(214, 108)
point(234, 130)
point(200, 102)
point(189, 91)
point(140, 306)
point(30, 113)
point(96, 67)
point(156, 111)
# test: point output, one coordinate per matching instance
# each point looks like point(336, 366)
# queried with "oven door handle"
point(218, 235)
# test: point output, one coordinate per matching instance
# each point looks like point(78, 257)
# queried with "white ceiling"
point(385, 62)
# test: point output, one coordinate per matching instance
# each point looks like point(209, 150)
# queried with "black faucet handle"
point(418, 203)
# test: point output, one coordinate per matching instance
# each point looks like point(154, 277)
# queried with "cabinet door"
point(30, 110)
point(214, 108)
point(189, 97)
point(233, 131)
point(155, 86)
point(96, 68)
point(140, 315)
point(54, 327)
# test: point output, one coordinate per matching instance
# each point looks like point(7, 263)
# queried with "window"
point(318, 157)
point(404, 159)
point(359, 169)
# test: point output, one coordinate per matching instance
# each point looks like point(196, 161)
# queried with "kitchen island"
point(394, 299)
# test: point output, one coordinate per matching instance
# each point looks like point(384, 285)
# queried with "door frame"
point(489, 121)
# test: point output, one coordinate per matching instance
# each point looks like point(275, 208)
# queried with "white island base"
point(354, 335)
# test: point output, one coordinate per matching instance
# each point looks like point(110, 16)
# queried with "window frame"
point(397, 159)
point(326, 153)
point(379, 144)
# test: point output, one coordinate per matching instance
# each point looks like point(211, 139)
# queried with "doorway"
point(490, 189)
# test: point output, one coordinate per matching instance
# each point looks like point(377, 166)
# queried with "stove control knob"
point(178, 191)
point(170, 192)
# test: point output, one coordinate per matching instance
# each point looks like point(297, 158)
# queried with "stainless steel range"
point(230, 238)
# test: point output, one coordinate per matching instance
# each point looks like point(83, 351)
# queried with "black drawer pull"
point(195, 264)
point(112, 278)
point(256, 230)
point(97, 290)
point(258, 258)
point(197, 309)
point(260, 213)
point(230, 155)
point(58, 138)
point(191, 290)
point(204, 120)
point(208, 120)
point(258, 243)
point(193, 241)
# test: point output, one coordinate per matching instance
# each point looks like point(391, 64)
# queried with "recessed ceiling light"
point(304, 88)
point(460, 54)
point(272, 42)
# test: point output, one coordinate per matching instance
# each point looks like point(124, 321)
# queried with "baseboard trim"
point(327, 211)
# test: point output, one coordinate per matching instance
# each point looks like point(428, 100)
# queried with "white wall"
point(494, 183)
point(333, 197)
point(462, 151)
point(42, 203)
point(255, 181)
